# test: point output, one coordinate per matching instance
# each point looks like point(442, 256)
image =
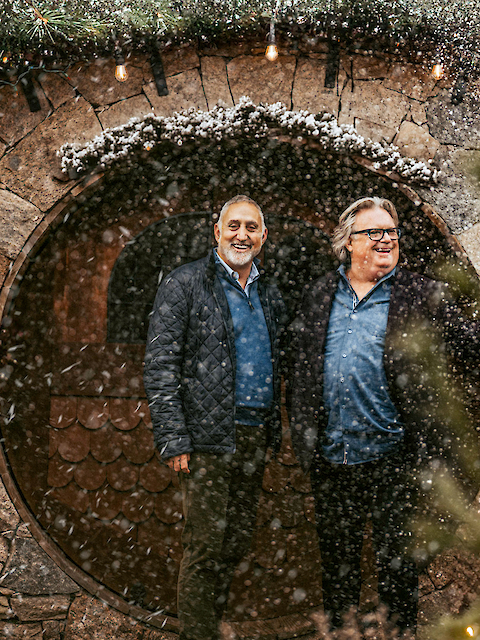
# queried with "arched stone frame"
point(85, 189)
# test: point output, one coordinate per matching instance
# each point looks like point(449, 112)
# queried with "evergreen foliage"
point(66, 29)
point(221, 125)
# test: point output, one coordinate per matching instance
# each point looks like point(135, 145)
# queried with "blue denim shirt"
point(254, 372)
point(363, 424)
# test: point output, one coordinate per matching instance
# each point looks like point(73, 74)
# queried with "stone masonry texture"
point(385, 99)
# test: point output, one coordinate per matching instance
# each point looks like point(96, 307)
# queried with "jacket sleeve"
point(303, 404)
point(163, 368)
point(461, 330)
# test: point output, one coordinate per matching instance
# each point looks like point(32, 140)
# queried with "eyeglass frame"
point(384, 231)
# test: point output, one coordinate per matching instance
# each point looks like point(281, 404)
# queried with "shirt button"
point(349, 331)
point(342, 379)
point(344, 355)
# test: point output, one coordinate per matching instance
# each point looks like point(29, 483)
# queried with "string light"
point(121, 73)
point(271, 52)
point(438, 70)
point(470, 631)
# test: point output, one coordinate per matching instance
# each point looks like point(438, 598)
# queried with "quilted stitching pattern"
point(189, 365)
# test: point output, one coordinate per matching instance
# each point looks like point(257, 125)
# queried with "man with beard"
point(373, 397)
point(211, 377)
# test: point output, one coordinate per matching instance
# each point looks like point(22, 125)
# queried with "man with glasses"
point(364, 403)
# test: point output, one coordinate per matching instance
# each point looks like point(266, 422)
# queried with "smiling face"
point(240, 235)
point(371, 260)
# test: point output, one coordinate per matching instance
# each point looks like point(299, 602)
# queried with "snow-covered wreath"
point(245, 120)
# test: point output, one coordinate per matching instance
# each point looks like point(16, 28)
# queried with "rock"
point(2, 148)
point(457, 196)
point(215, 82)
point(455, 124)
point(28, 168)
point(4, 549)
point(450, 600)
point(8, 514)
point(425, 584)
point(371, 101)
point(56, 88)
point(16, 119)
point(5, 265)
point(121, 112)
point(312, 45)
point(470, 241)
point(23, 531)
point(174, 61)
point(309, 91)
point(53, 629)
point(32, 572)
point(90, 619)
point(96, 81)
point(260, 79)
point(418, 112)
point(29, 609)
point(415, 142)
point(185, 91)
point(151, 634)
point(373, 131)
point(18, 218)
point(411, 80)
point(179, 59)
point(5, 612)
point(370, 67)
point(14, 631)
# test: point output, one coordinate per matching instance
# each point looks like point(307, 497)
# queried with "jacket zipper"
point(233, 368)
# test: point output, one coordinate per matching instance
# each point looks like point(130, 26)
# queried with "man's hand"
point(179, 463)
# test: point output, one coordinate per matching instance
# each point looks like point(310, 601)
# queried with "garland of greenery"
point(71, 29)
point(246, 120)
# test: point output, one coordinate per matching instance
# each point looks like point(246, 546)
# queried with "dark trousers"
point(345, 496)
point(220, 498)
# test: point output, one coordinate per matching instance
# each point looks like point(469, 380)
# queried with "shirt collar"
point(253, 275)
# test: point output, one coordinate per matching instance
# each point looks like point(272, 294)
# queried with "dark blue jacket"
point(431, 363)
point(190, 362)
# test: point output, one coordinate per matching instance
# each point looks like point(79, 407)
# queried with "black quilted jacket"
point(190, 364)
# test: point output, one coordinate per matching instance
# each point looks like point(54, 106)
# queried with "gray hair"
point(240, 198)
point(343, 231)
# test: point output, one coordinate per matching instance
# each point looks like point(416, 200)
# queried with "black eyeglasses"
point(377, 234)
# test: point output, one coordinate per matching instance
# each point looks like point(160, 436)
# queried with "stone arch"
point(91, 190)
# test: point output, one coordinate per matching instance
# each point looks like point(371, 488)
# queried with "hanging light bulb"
point(271, 52)
point(438, 71)
point(121, 73)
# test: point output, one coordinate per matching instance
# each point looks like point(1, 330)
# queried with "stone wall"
point(385, 99)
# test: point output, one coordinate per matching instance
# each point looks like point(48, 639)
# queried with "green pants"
point(220, 498)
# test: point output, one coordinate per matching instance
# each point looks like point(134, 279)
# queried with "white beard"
point(236, 258)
